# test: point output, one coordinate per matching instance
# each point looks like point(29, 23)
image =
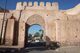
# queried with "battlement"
point(23, 5)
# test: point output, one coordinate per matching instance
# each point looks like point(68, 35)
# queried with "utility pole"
point(2, 36)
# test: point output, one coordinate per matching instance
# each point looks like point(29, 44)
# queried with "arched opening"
point(34, 29)
point(35, 33)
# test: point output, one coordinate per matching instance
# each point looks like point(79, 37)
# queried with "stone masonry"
point(57, 25)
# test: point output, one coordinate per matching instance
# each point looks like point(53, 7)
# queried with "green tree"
point(37, 34)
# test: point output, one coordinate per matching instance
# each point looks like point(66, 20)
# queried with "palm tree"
point(41, 33)
point(37, 34)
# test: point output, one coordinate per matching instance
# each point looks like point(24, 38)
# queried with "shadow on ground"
point(39, 46)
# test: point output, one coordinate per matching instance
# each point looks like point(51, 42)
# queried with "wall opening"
point(34, 34)
point(34, 21)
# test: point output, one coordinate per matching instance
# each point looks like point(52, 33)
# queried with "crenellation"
point(55, 5)
point(19, 6)
point(41, 4)
point(48, 4)
point(35, 3)
point(24, 3)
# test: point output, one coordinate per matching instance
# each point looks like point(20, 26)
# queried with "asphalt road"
point(68, 49)
point(45, 51)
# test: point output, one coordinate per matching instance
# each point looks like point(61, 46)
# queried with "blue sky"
point(63, 4)
point(34, 28)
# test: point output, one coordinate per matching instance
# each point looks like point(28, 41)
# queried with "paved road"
point(45, 51)
point(69, 49)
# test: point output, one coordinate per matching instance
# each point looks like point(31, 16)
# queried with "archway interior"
point(35, 33)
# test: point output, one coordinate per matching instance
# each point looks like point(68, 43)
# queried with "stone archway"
point(34, 19)
point(48, 27)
